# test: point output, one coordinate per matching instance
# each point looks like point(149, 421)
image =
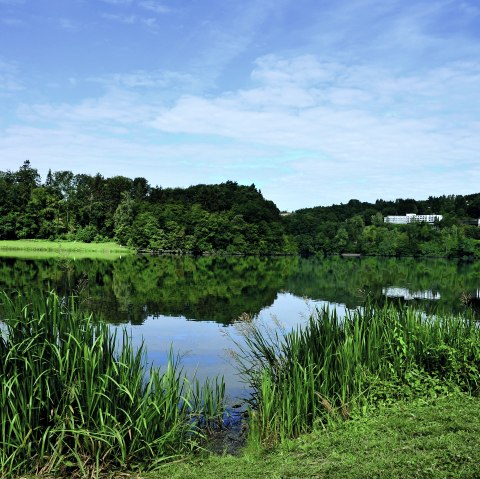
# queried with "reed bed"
point(75, 399)
point(335, 367)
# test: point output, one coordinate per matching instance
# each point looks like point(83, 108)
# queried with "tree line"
point(224, 218)
point(359, 227)
point(200, 219)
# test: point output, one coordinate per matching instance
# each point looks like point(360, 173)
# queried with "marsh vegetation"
point(74, 398)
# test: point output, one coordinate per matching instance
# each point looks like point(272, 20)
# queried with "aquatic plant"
point(74, 397)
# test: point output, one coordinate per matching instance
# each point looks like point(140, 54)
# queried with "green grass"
point(436, 439)
point(75, 399)
point(37, 249)
point(433, 439)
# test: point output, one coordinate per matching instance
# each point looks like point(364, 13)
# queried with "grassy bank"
point(37, 249)
point(435, 439)
point(335, 367)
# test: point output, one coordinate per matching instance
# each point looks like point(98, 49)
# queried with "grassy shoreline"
point(434, 439)
point(39, 249)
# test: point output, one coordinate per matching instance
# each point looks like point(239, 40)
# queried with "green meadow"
point(38, 249)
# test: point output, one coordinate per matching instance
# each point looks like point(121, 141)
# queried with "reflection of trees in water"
point(222, 288)
point(349, 281)
point(217, 289)
point(130, 289)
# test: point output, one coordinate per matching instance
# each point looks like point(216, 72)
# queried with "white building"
point(411, 217)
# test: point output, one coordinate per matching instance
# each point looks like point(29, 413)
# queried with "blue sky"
point(314, 101)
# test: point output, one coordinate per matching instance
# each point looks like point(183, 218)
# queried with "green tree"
point(124, 218)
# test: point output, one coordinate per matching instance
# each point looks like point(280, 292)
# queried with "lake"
point(194, 304)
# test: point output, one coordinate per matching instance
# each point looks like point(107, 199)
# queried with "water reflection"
point(133, 289)
point(407, 294)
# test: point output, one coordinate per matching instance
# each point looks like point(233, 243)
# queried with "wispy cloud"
point(13, 22)
point(68, 24)
point(141, 79)
point(116, 107)
point(313, 102)
point(469, 8)
point(129, 19)
point(151, 5)
point(353, 119)
point(149, 22)
point(305, 126)
point(228, 38)
point(9, 78)
point(118, 2)
point(154, 6)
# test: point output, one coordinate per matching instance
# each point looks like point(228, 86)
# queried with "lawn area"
point(435, 439)
point(37, 249)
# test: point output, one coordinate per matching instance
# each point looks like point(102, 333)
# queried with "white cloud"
point(226, 40)
point(354, 122)
point(129, 19)
point(13, 22)
point(160, 79)
point(469, 8)
point(118, 2)
point(150, 5)
point(115, 107)
point(68, 24)
point(132, 19)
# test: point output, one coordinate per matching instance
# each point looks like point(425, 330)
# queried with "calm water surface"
point(192, 304)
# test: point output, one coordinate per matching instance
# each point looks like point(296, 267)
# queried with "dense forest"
point(224, 218)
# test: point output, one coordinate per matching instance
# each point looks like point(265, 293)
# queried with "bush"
point(86, 234)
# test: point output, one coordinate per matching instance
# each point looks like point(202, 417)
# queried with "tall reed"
point(75, 398)
point(333, 366)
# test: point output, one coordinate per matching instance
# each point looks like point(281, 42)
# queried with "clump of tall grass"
point(74, 398)
point(333, 366)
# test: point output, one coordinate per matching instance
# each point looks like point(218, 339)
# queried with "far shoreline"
point(39, 248)
point(109, 250)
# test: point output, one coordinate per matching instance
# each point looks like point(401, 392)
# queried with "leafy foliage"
point(200, 219)
point(358, 227)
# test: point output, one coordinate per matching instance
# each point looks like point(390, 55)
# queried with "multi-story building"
point(411, 217)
